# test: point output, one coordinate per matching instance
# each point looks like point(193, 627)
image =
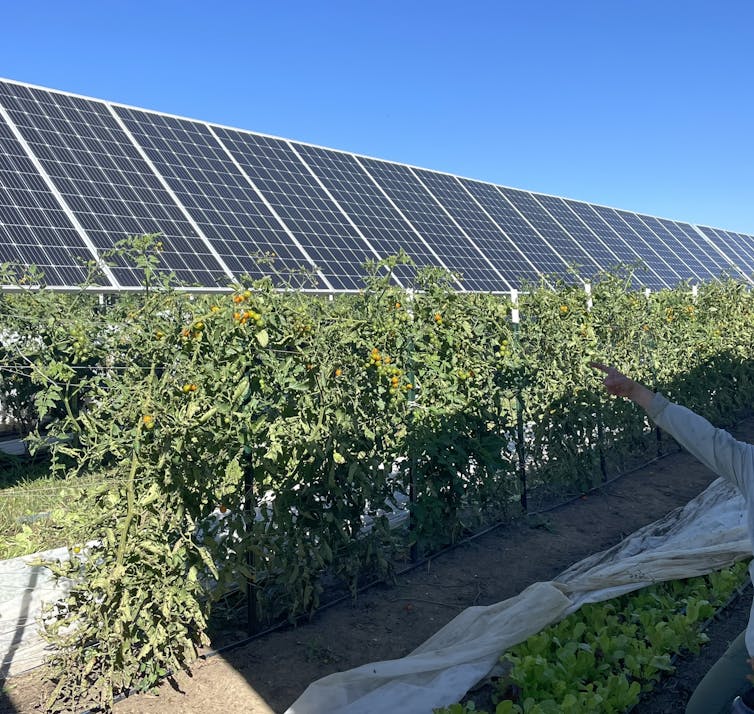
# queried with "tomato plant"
point(267, 435)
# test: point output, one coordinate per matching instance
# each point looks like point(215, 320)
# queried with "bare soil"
point(386, 622)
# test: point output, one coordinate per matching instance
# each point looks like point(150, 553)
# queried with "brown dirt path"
point(388, 622)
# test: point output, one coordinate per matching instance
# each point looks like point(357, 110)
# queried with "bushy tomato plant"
point(267, 435)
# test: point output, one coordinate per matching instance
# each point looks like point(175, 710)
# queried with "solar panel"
point(491, 243)
point(680, 271)
point(747, 245)
point(219, 199)
point(538, 259)
point(561, 242)
point(701, 247)
point(110, 189)
point(33, 229)
point(77, 175)
point(289, 188)
point(621, 244)
point(597, 249)
point(735, 249)
point(688, 262)
point(378, 219)
point(651, 254)
point(454, 248)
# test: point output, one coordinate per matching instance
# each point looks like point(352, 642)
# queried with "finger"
point(602, 367)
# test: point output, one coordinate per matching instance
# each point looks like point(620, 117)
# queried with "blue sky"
point(639, 104)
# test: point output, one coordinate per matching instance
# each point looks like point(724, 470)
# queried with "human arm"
point(715, 448)
point(619, 385)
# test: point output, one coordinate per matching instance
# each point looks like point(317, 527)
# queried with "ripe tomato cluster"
point(385, 369)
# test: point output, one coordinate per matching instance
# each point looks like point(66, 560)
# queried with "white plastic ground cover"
point(23, 589)
point(707, 534)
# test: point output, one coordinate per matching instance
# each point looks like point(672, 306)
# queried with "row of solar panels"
point(78, 175)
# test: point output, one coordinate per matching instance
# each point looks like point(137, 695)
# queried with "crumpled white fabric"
point(707, 534)
point(23, 590)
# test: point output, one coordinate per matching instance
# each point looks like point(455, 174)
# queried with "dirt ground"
point(387, 622)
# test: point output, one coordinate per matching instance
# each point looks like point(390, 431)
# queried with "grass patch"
point(32, 506)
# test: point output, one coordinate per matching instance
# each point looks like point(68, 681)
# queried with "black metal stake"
point(252, 616)
point(601, 443)
point(414, 550)
point(521, 450)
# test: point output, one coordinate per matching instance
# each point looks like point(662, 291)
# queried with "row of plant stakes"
point(250, 436)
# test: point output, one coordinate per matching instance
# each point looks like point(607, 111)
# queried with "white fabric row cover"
point(707, 534)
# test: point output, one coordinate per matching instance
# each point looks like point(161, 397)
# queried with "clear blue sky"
point(640, 104)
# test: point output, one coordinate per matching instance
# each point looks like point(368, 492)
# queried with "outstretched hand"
point(615, 382)
point(621, 386)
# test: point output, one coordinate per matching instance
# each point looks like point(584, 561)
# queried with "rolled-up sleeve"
point(715, 448)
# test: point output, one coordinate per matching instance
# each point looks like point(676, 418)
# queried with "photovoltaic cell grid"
point(557, 240)
point(322, 230)
point(534, 257)
point(369, 208)
point(737, 249)
point(697, 244)
point(77, 175)
point(654, 255)
point(219, 199)
point(103, 179)
point(624, 246)
point(688, 264)
point(454, 249)
point(654, 244)
point(598, 252)
point(482, 233)
point(746, 245)
point(34, 230)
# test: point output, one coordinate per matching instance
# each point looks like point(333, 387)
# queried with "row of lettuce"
point(249, 436)
point(602, 658)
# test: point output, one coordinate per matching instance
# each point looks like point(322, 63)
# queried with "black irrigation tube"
point(418, 564)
